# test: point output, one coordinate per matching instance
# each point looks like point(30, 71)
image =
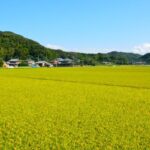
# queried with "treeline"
point(16, 46)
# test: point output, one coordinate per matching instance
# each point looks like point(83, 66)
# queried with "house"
point(62, 62)
point(67, 61)
point(13, 62)
point(44, 64)
point(57, 61)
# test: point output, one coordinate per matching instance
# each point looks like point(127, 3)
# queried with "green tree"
point(1, 62)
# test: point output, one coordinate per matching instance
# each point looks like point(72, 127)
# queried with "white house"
point(44, 64)
point(13, 62)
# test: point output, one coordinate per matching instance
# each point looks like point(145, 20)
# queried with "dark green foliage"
point(15, 46)
point(1, 62)
point(23, 63)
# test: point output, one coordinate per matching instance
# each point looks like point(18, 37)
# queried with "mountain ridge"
point(13, 45)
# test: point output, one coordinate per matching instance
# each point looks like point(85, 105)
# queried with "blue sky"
point(81, 25)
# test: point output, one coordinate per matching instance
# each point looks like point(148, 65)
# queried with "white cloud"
point(142, 49)
point(55, 46)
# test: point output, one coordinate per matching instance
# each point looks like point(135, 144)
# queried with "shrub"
point(23, 63)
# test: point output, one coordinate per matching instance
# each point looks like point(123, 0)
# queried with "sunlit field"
point(83, 108)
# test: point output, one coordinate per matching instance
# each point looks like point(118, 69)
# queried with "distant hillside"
point(146, 58)
point(129, 57)
point(16, 46)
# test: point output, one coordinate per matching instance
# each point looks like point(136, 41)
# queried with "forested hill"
point(16, 46)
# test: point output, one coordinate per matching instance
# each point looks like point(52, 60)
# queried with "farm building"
point(13, 62)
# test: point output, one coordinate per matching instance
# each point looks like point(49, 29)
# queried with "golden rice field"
point(87, 108)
